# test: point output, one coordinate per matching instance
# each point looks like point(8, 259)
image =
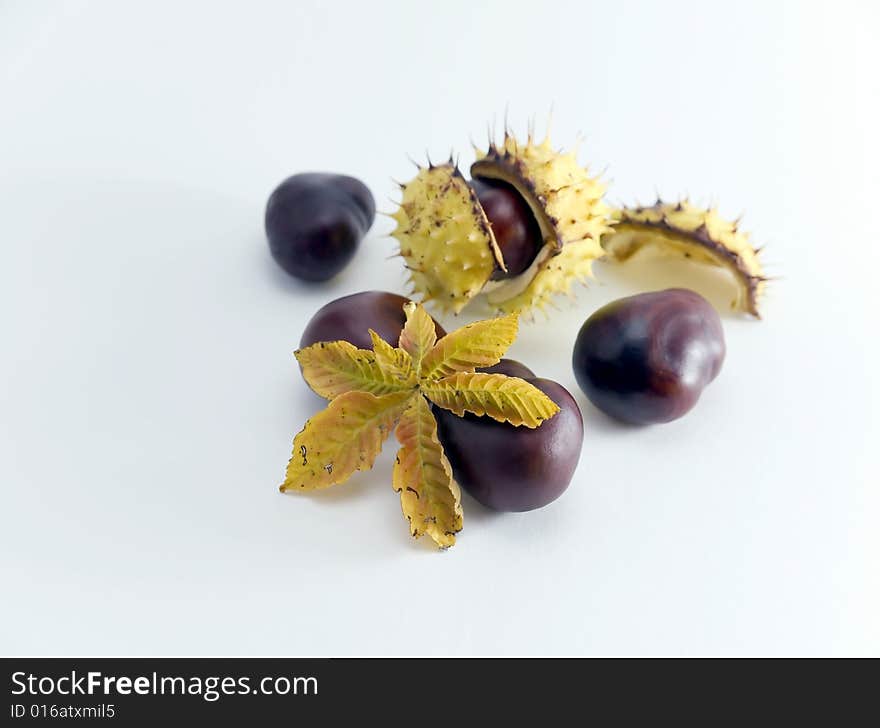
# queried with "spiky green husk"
point(566, 201)
point(553, 274)
point(444, 237)
point(449, 246)
point(696, 233)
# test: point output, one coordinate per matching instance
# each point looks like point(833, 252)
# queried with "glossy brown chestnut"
point(509, 468)
point(510, 368)
point(513, 224)
point(349, 319)
point(315, 221)
point(646, 359)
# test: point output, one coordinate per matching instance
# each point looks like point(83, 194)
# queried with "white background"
point(148, 395)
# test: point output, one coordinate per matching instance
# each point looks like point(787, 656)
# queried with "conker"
point(514, 225)
point(315, 221)
point(510, 368)
point(349, 319)
point(509, 468)
point(645, 359)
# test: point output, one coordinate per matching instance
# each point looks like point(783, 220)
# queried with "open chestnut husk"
point(527, 226)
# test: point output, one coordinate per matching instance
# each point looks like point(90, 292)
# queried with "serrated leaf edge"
point(504, 399)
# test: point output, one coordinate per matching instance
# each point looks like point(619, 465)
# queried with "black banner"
point(263, 691)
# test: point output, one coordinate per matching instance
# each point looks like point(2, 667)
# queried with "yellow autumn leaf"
point(394, 361)
point(419, 334)
point(337, 367)
point(372, 392)
point(429, 497)
point(345, 437)
point(480, 344)
point(506, 399)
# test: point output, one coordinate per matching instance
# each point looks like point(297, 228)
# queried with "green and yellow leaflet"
point(389, 389)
